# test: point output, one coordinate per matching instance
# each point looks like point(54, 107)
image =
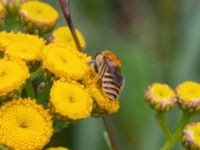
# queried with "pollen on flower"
point(63, 35)
point(103, 104)
point(65, 62)
point(160, 97)
point(191, 136)
point(57, 148)
point(70, 100)
point(24, 125)
point(188, 94)
point(13, 74)
point(39, 14)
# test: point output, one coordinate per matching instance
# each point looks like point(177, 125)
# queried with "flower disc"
point(38, 13)
point(70, 100)
point(63, 35)
point(13, 74)
point(160, 97)
point(24, 125)
point(65, 62)
point(188, 94)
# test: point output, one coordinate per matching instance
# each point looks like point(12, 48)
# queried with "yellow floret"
point(24, 125)
point(39, 14)
point(13, 74)
point(65, 62)
point(70, 100)
point(63, 35)
point(160, 97)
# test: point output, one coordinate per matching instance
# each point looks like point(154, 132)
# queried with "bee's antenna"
point(64, 4)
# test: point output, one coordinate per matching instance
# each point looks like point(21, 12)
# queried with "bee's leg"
point(99, 74)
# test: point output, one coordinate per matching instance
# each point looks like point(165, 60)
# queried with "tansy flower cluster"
point(186, 96)
point(43, 79)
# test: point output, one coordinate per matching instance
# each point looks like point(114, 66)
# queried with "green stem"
point(160, 116)
point(177, 134)
point(29, 89)
point(36, 73)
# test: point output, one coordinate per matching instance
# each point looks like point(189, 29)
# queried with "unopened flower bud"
point(191, 136)
point(188, 94)
point(160, 97)
point(38, 17)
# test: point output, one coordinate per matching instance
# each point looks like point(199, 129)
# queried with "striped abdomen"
point(109, 86)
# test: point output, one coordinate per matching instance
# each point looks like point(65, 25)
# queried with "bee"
point(107, 66)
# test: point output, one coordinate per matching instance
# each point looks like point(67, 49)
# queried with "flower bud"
point(38, 17)
point(191, 136)
point(160, 97)
point(188, 94)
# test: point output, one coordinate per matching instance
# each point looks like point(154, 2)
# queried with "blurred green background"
point(157, 41)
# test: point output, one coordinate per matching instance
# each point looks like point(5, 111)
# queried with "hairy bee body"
point(107, 66)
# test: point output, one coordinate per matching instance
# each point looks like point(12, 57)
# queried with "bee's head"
point(111, 57)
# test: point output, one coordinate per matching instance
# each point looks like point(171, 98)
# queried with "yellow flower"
point(57, 148)
point(65, 62)
point(103, 103)
point(13, 74)
point(38, 14)
point(70, 100)
point(7, 38)
point(4, 40)
point(160, 97)
point(24, 125)
point(64, 36)
point(191, 136)
point(188, 94)
point(25, 51)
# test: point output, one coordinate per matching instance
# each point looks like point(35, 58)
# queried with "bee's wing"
point(115, 74)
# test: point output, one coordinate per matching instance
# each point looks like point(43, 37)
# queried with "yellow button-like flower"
point(57, 148)
point(103, 103)
point(38, 14)
point(7, 38)
point(70, 100)
point(160, 97)
point(24, 125)
point(191, 136)
point(63, 35)
point(13, 74)
point(25, 51)
point(189, 95)
point(65, 62)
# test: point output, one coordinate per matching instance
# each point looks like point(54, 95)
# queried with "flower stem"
point(36, 73)
point(112, 139)
point(170, 143)
point(66, 11)
point(29, 89)
point(160, 116)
